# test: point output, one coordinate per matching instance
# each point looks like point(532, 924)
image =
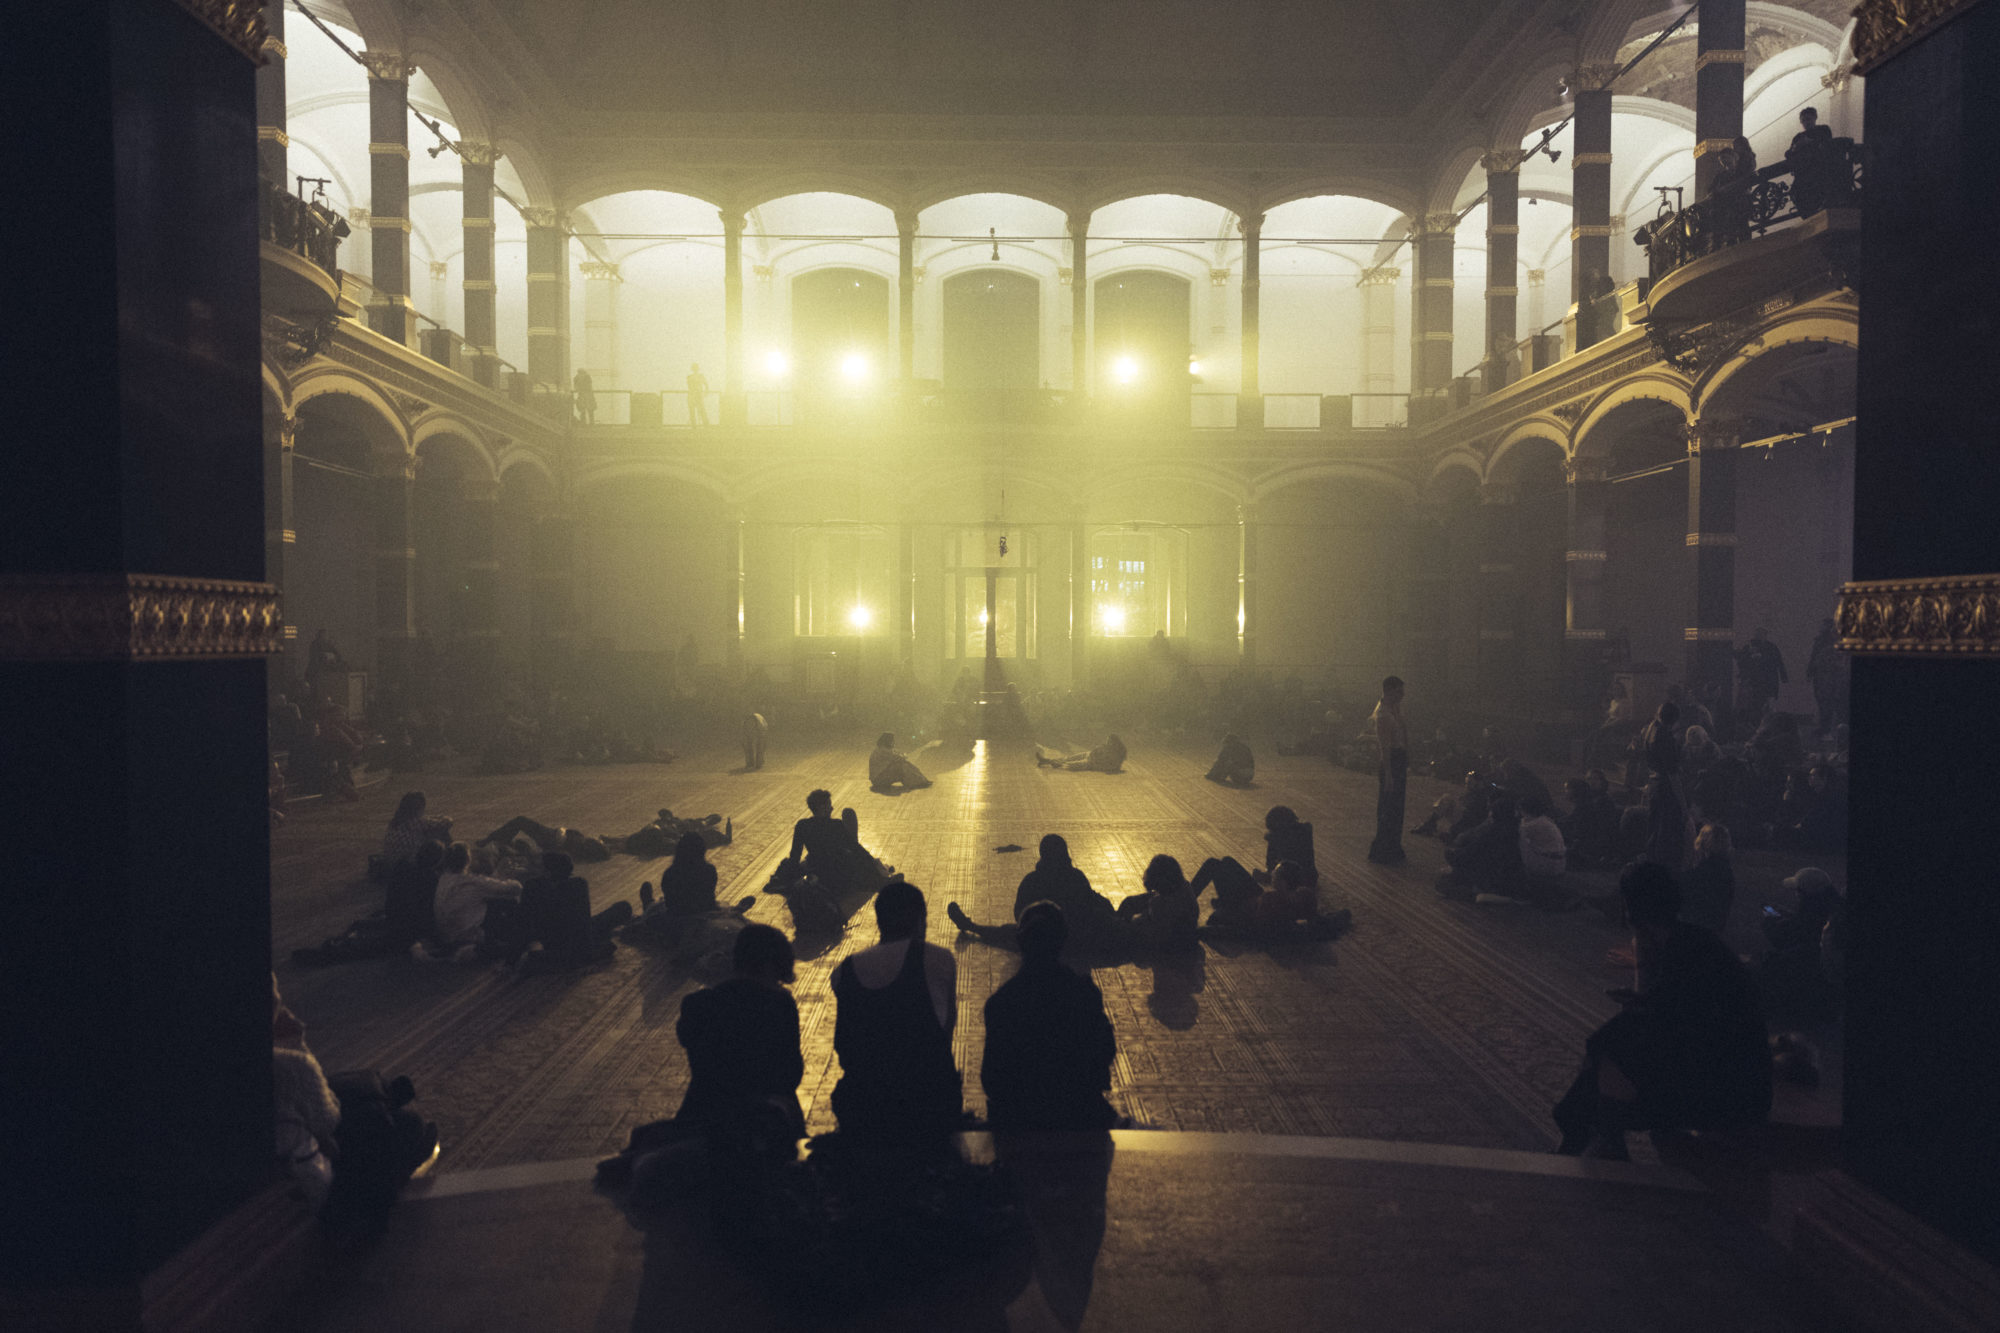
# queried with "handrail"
point(311, 231)
point(1781, 192)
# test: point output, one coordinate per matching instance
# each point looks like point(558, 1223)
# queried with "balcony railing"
point(1779, 193)
point(309, 230)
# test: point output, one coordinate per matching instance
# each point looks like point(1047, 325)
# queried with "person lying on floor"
point(1288, 910)
point(889, 767)
point(1688, 1052)
point(1108, 757)
point(1093, 923)
point(574, 843)
point(1234, 765)
point(1049, 1044)
point(660, 837)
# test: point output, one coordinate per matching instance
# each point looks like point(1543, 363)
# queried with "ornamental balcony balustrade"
point(1784, 191)
point(299, 242)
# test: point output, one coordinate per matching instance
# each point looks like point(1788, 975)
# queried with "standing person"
point(586, 397)
point(1666, 811)
point(895, 1007)
point(1823, 669)
point(1810, 158)
point(755, 732)
point(1760, 673)
point(1049, 1045)
point(697, 396)
point(1392, 748)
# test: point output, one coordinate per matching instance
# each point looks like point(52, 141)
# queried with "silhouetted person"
point(1709, 889)
point(896, 1006)
point(1729, 193)
point(687, 887)
point(1392, 751)
point(586, 397)
point(742, 1038)
point(1165, 918)
point(1234, 765)
point(1811, 160)
point(410, 828)
point(1760, 673)
point(1487, 859)
point(1091, 920)
point(1049, 1045)
point(1289, 838)
point(755, 732)
point(1824, 669)
point(697, 389)
point(1666, 808)
point(889, 767)
point(1106, 757)
point(1590, 829)
point(1689, 1050)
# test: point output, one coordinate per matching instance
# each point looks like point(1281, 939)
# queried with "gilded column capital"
point(917, 275)
point(1713, 434)
point(1592, 78)
point(906, 224)
point(1503, 161)
point(1218, 277)
point(388, 66)
point(1537, 276)
point(1884, 28)
point(1380, 277)
point(544, 218)
point(478, 153)
point(1435, 224)
point(732, 221)
point(1063, 276)
point(439, 268)
point(238, 22)
point(763, 273)
point(1250, 224)
point(597, 270)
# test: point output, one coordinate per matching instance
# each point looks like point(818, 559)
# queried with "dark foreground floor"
point(1187, 1231)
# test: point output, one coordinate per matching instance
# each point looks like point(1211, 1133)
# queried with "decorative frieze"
point(238, 22)
point(135, 617)
point(1883, 28)
point(1956, 616)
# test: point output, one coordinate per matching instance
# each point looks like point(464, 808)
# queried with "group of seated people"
point(1277, 903)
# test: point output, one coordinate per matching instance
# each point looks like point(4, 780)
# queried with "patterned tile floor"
point(1431, 1021)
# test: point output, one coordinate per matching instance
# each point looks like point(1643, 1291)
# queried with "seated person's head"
point(819, 801)
point(1279, 816)
point(692, 847)
point(1287, 876)
point(456, 858)
point(1577, 789)
point(1164, 875)
point(1598, 782)
point(1054, 850)
point(899, 911)
point(1042, 932)
point(849, 818)
point(1712, 840)
point(1668, 714)
point(1652, 898)
point(1534, 805)
point(430, 856)
point(410, 807)
point(557, 866)
point(763, 953)
point(886, 741)
point(482, 861)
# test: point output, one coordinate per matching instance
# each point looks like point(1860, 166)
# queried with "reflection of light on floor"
point(975, 777)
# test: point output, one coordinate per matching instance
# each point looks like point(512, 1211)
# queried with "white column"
point(600, 324)
point(1378, 345)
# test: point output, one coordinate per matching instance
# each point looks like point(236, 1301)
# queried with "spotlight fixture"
point(1112, 618)
point(859, 617)
point(1125, 369)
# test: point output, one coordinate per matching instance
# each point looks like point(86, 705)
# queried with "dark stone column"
point(1249, 394)
point(1079, 305)
point(1584, 562)
point(1918, 1114)
point(479, 577)
point(1503, 245)
point(1590, 195)
point(552, 611)
point(390, 313)
point(395, 573)
point(281, 436)
point(135, 1047)
point(1246, 585)
point(481, 326)
point(1711, 543)
point(906, 296)
point(1499, 590)
point(1718, 87)
point(735, 404)
point(548, 299)
point(1430, 308)
point(273, 147)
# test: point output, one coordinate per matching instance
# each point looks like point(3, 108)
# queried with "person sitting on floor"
point(409, 829)
point(406, 915)
point(461, 900)
point(1544, 858)
point(1590, 829)
point(1689, 1049)
point(1108, 757)
point(889, 767)
point(869, 870)
point(1288, 838)
point(1093, 923)
point(1795, 984)
point(1813, 816)
point(895, 1007)
point(1487, 861)
point(1457, 813)
point(1710, 888)
point(1049, 1044)
point(1289, 909)
point(1234, 766)
point(742, 1038)
point(1165, 918)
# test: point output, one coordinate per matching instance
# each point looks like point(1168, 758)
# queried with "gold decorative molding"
point(1953, 617)
point(1884, 28)
point(238, 22)
point(1436, 224)
point(477, 153)
point(1717, 57)
point(389, 66)
point(1503, 161)
point(1708, 634)
point(1711, 539)
point(1586, 557)
point(1593, 78)
point(541, 217)
point(136, 618)
point(1380, 277)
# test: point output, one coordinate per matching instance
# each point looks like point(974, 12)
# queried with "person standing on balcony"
point(586, 397)
point(1730, 196)
point(1811, 160)
point(697, 396)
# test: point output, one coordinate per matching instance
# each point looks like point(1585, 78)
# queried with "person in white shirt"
point(461, 899)
point(1543, 855)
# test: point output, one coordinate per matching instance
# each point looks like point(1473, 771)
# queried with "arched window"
point(1143, 338)
point(992, 341)
point(840, 328)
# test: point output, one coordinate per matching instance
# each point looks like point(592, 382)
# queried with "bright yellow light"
point(1125, 369)
point(1194, 366)
point(854, 367)
point(776, 364)
point(982, 620)
point(859, 617)
point(1112, 618)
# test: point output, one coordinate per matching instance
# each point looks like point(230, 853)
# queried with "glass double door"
point(994, 614)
